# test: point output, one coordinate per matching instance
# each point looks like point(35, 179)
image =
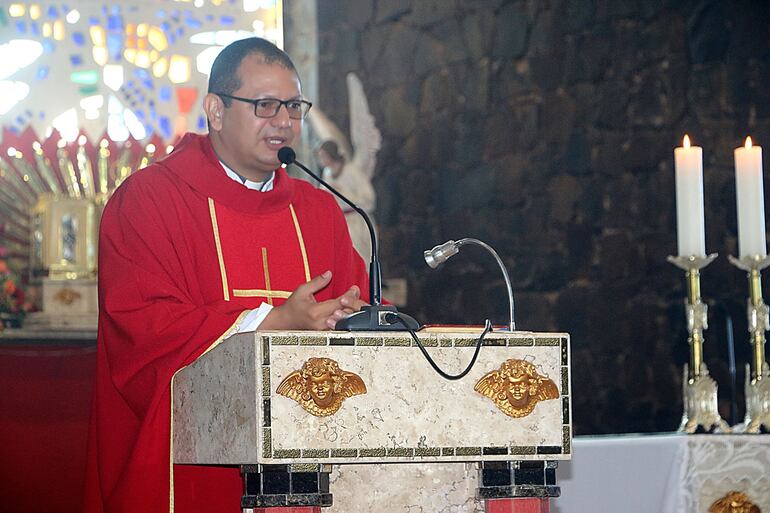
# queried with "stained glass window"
point(127, 69)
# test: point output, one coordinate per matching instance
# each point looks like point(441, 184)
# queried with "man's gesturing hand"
point(301, 310)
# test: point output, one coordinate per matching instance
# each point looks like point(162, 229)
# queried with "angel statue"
point(350, 169)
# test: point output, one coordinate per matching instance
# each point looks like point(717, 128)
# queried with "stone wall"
point(546, 128)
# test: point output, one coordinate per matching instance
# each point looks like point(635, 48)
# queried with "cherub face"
point(518, 392)
point(322, 389)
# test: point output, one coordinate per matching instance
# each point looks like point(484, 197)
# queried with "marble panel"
point(227, 411)
point(402, 488)
point(215, 416)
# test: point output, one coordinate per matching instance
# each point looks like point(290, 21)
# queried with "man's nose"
point(282, 119)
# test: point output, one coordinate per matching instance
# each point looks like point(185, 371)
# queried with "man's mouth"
point(276, 141)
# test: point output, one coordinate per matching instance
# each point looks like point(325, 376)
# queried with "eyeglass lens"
point(270, 107)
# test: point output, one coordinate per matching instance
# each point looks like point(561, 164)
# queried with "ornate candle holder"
point(757, 372)
point(699, 389)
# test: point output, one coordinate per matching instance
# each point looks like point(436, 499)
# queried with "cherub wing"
point(365, 137)
point(547, 390)
point(489, 385)
point(292, 386)
point(326, 130)
point(354, 385)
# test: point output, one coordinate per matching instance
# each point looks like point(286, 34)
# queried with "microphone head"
point(286, 155)
point(440, 254)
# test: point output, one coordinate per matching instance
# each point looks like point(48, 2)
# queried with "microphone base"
point(372, 318)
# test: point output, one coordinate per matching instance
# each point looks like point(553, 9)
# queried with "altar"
point(671, 473)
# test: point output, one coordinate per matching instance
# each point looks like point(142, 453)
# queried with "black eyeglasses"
point(269, 107)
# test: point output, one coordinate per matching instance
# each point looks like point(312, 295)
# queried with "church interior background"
point(544, 128)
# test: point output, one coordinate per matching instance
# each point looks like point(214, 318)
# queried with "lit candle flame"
point(748, 142)
point(686, 141)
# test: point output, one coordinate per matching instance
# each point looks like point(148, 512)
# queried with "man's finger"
point(357, 305)
point(317, 283)
point(350, 298)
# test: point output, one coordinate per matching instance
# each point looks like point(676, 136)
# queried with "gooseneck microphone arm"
point(374, 317)
point(439, 254)
point(287, 156)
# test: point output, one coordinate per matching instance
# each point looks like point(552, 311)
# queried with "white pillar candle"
point(750, 200)
point(690, 226)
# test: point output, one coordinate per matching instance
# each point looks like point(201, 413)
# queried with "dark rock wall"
point(547, 128)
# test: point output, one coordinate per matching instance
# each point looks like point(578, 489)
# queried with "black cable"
point(395, 316)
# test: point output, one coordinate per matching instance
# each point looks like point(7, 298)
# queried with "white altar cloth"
point(664, 473)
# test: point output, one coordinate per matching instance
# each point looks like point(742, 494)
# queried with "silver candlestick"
point(699, 389)
point(757, 386)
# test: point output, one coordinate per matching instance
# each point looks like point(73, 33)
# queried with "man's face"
point(246, 143)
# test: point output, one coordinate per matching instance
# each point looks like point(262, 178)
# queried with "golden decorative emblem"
point(734, 502)
point(320, 386)
point(67, 296)
point(516, 387)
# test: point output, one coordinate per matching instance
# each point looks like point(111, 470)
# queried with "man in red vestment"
point(213, 240)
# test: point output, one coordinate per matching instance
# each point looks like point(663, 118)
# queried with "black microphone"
point(376, 316)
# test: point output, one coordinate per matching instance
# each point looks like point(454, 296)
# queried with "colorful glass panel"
point(114, 40)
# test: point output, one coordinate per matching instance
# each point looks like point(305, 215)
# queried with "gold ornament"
point(734, 502)
point(320, 386)
point(67, 296)
point(516, 387)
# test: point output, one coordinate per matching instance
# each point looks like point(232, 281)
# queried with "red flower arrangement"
point(12, 298)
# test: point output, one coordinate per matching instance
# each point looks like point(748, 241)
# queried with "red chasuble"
point(184, 252)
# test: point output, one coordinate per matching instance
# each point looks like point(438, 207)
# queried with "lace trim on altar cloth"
point(714, 465)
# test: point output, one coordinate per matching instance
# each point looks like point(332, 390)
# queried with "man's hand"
point(301, 310)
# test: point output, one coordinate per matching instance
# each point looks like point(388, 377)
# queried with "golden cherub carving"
point(320, 386)
point(67, 296)
point(516, 387)
point(734, 502)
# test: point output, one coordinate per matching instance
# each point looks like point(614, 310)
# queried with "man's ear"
point(213, 106)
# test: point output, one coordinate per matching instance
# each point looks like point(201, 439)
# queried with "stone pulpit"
point(296, 410)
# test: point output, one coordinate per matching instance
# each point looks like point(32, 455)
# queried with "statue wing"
point(354, 385)
point(489, 385)
point(547, 390)
point(366, 138)
point(292, 386)
point(326, 130)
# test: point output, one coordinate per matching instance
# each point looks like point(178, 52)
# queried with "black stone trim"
point(508, 492)
point(565, 410)
point(266, 413)
point(265, 351)
point(342, 341)
point(269, 486)
point(323, 500)
point(494, 451)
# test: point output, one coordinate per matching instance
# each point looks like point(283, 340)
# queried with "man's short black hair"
point(224, 76)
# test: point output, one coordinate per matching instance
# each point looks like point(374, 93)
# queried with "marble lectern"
point(294, 408)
